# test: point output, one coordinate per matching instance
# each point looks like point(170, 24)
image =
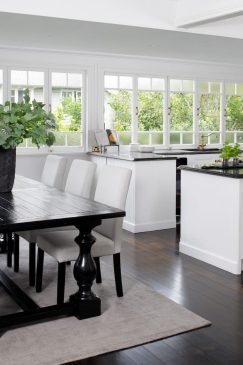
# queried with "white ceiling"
point(213, 17)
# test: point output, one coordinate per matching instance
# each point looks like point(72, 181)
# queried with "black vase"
point(7, 169)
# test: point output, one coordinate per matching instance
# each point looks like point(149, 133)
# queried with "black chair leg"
point(117, 272)
point(16, 253)
point(61, 282)
point(9, 243)
point(39, 271)
point(98, 272)
point(32, 258)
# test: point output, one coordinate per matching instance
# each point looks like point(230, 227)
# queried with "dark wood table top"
point(32, 205)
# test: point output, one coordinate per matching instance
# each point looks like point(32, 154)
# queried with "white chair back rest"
point(53, 171)
point(80, 178)
point(112, 188)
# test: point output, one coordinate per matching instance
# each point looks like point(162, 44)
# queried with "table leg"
point(86, 303)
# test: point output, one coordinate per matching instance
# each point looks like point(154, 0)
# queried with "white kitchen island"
point(212, 216)
point(151, 201)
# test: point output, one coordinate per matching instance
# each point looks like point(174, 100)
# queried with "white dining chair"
point(112, 188)
point(79, 182)
point(52, 175)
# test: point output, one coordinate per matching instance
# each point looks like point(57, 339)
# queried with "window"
point(67, 106)
point(150, 110)
point(118, 106)
point(181, 111)
point(33, 80)
point(234, 112)
point(1, 86)
point(209, 110)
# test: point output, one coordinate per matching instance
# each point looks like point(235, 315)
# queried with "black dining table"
point(33, 206)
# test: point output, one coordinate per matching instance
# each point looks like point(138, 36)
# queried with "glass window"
point(209, 106)
point(181, 111)
point(150, 110)
point(118, 106)
point(234, 109)
point(33, 80)
point(66, 101)
point(1, 86)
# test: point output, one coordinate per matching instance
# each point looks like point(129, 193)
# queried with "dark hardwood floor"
point(216, 295)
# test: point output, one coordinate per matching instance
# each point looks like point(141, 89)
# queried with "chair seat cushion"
point(61, 245)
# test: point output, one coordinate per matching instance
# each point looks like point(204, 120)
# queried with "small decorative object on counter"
point(236, 152)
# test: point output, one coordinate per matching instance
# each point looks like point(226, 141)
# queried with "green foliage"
point(150, 107)
point(68, 107)
point(150, 115)
point(209, 113)
point(25, 120)
point(181, 112)
point(234, 112)
point(120, 103)
point(229, 151)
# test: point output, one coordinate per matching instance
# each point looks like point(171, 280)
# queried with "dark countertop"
point(133, 156)
point(236, 173)
point(191, 151)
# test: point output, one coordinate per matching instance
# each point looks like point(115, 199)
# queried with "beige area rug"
point(141, 316)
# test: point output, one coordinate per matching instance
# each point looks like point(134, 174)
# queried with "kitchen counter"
point(187, 152)
point(133, 156)
point(236, 173)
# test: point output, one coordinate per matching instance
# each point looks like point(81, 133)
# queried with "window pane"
point(209, 114)
point(229, 137)
point(230, 88)
point(187, 138)
point(181, 112)
point(187, 86)
point(203, 87)
point(111, 82)
point(215, 138)
point(118, 113)
point(175, 85)
point(67, 104)
point(158, 84)
point(21, 80)
point(144, 83)
point(74, 80)
point(1, 86)
point(234, 113)
point(174, 138)
point(150, 113)
point(215, 87)
point(59, 79)
point(239, 138)
point(125, 82)
point(19, 77)
point(36, 78)
point(239, 89)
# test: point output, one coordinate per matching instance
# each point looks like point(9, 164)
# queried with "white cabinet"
point(151, 201)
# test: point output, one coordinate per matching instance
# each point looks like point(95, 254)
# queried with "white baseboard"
point(233, 267)
point(147, 227)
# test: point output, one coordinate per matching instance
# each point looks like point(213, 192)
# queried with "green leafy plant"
point(236, 151)
point(226, 151)
point(25, 119)
point(229, 151)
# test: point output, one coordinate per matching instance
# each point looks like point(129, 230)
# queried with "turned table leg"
point(86, 303)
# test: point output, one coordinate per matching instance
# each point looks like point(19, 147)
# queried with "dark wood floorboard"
point(153, 259)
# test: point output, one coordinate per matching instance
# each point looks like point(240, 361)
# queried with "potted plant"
point(18, 121)
point(226, 154)
point(236, 152)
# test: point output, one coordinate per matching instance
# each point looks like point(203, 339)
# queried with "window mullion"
point(134, 125)
point(222, 114)
point(196, 109)
point(166, 113)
